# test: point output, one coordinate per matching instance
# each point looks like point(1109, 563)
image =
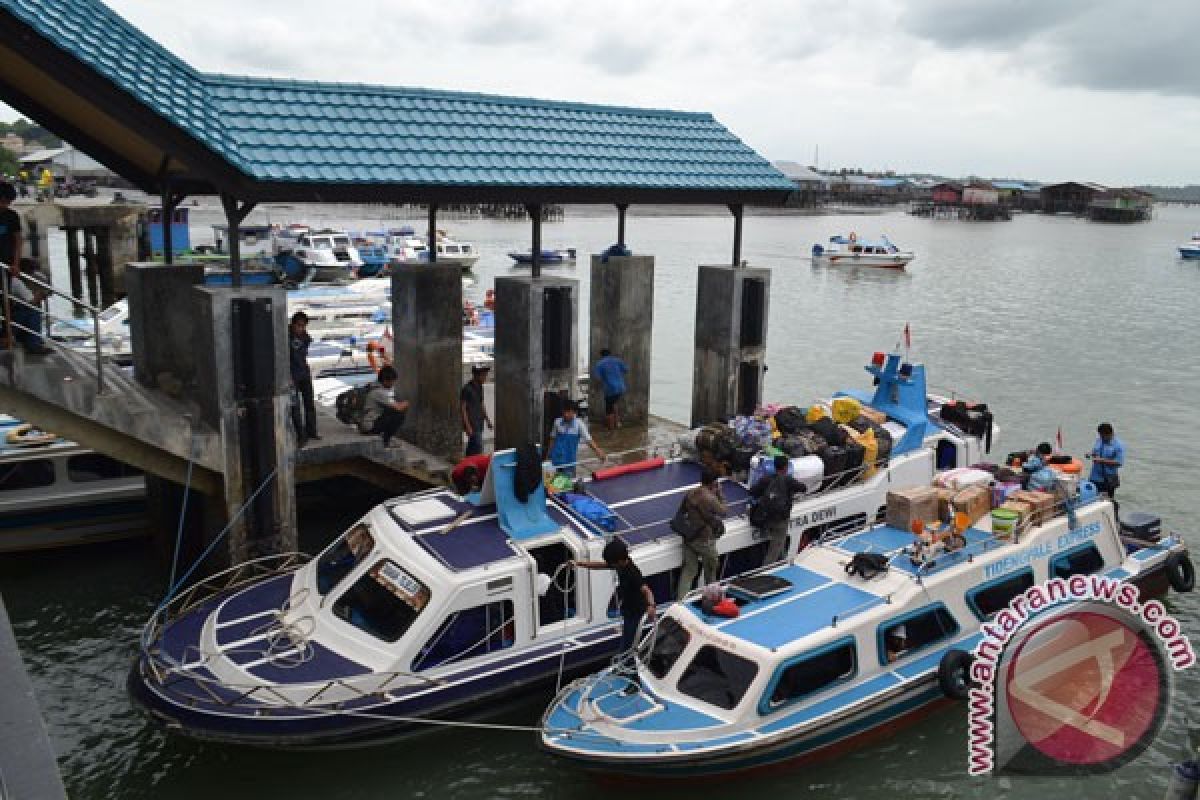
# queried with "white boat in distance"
point(847, 251)
point(404, 245)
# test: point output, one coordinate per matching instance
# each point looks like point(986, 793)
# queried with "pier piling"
point(730, 342)
point(622, 320)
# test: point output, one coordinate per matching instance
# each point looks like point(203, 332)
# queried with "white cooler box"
point(808, 470)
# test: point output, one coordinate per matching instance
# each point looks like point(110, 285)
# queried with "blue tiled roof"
point(281, 131)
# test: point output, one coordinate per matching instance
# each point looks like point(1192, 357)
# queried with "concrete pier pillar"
point(225, 350)
point(427, 345)
point(730, 343)
point(622, 320)
point(536, 353)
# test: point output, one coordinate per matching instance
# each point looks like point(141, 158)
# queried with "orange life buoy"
point(1072, 467)
point(377, 356)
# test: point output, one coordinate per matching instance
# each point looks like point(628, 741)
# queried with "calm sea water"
point(1054, 322)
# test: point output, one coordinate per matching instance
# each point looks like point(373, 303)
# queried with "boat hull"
point(898, 261)
point(1189, 253)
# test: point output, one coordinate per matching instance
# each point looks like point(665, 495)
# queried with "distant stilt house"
point(1121, 205)
point(1018, 195)
point(1072, 197)
point(812, 188)
point(947, 194)
point(978, 200)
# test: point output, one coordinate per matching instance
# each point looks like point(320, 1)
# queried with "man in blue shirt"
point(1108, 455)
point(610, 370)
point(1039, 477)
point(565, 435)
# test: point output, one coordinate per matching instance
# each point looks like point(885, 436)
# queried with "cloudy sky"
point(1104, 90)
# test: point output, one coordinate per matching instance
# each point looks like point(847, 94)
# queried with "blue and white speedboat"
point(819, 660)
point(1190, 250)
point(850, 251)
point(433, 606)
point(548, 257)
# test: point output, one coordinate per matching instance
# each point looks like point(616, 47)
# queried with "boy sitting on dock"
point(383, 413)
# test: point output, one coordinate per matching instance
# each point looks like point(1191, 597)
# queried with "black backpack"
point(775, 504)
point(867, 565)
point(352, 404)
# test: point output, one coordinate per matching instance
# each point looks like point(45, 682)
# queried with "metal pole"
point(535, 214)
point(99, 352)
point(736, 208)
point(433, 209)
point(166, 212)
point(621, 223)
point(73, 267)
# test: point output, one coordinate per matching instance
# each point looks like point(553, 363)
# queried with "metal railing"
point(48, 319)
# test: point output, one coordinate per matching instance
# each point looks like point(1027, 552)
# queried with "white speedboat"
point(437, 606)
point(55, 493)
point(303, 255)
point(819, 658)
point(1191, 249)
point(404, 245)
point(850, 251)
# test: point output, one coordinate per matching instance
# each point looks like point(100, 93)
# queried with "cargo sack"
point(795, 446)
point(789, 421)
point(717, 440)
point(845, 409)
point(861, 423)
point(351, 404)
point(836, 458)
point(828, 430)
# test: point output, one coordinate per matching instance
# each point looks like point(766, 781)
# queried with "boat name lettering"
point(820, 515)
point(1042, 550)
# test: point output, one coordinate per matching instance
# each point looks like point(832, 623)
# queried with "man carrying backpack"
point(773, 510)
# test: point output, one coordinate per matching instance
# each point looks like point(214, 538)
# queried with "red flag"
point(1058, 438)
point(907, 337)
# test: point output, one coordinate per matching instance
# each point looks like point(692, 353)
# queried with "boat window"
point(322, 244)
point(26, 475)
point(1083, 560)
point(669, 643)
point(384, 602)
point(718, 677)
point(341, 241)
point(810, 673)
point(989, 598)
point(340, 559)
point(554, 605)
point(469, 633)
point(96, 467)
point(304, 242)
point(907, 634)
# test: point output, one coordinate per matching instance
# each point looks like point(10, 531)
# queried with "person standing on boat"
point(565, 435)
point(706, 510)
point(775, 494)
point(1108, 456)
point(610, 370)
point(382, 412)
point(634, 595)
point(305, 421)
point(474, 410)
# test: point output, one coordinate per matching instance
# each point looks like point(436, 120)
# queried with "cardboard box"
point(974, 501)
point(1023, 510)
point(909, 505)
point(878, 417)
point(945, 503)
point(1044, 505)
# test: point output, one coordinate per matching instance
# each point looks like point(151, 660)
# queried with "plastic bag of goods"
point(845, 409)
point(962, 477)
point(870, 449)
point(815, 412)
point(796, 446)
point(828, 430)
point(752, 431)
point(808, 470)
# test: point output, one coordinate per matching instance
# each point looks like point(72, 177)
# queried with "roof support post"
point(621, 208)
point(736, 209)
point(235, 213)
point(170, 202)
point(535, 214)
point(432, 236)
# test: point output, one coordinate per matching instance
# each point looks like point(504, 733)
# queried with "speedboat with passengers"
point(821, 656)
point(850, 251)
point(433, 606)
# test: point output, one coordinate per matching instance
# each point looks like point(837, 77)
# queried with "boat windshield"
point(718, 677)
point(384, 602)
point(323, 244)
point(341, 241)
point(340, 559)
point(669, 643)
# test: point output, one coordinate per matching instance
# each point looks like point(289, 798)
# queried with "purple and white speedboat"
point(434, 607)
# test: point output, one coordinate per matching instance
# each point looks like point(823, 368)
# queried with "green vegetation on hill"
point(31, 133)
point(1174, 194)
